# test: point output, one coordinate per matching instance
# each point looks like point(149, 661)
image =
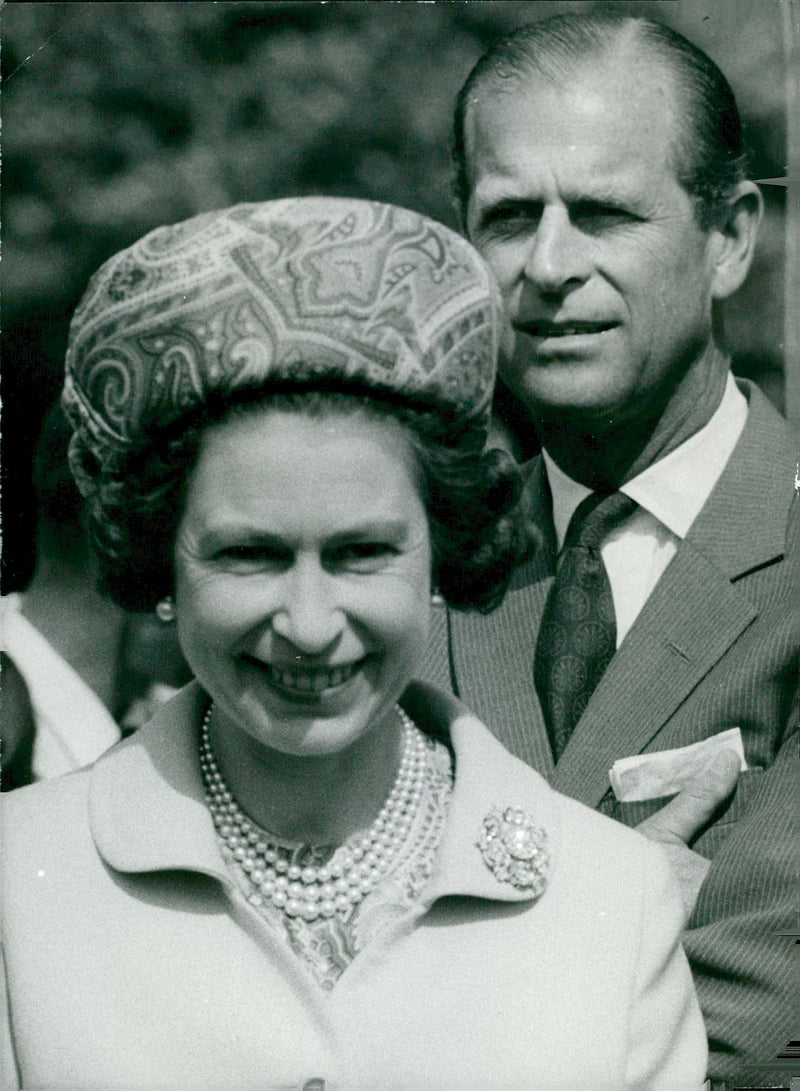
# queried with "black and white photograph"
point(399, 628)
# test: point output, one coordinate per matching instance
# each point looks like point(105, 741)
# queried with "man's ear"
point(733, 240)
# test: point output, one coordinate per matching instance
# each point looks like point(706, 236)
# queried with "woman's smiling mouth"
point(305, 682)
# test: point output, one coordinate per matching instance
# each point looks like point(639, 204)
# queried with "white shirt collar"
point(567, 495)
point(675, 488)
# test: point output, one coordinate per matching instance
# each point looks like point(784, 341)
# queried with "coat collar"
point(147, 806)
point(487, 776)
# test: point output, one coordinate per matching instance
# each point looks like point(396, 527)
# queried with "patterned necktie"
point(578, 634)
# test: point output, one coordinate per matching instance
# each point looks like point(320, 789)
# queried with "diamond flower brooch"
point(514, 849)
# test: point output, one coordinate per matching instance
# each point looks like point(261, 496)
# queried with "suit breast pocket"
point(711, 836)
point(725, 820)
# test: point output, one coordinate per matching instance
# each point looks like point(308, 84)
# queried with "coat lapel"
point(695, 612)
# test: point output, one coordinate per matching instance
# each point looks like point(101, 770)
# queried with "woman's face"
point(303, 575)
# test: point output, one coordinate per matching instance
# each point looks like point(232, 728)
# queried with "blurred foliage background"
point(118, 117)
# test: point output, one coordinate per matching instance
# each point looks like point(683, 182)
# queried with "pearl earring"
point(165, 610)
point(437, 598)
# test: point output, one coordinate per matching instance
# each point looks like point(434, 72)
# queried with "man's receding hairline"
point(634, 47)
point(628, 44)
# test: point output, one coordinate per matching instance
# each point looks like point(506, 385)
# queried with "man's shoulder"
point(766, 433)
point(753, 502)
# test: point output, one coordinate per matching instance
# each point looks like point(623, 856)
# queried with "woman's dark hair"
point(708, 150)
point(59, 504)
point(478, 531)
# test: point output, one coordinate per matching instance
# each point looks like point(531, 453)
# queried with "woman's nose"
point(557, 259)
point(309, 614)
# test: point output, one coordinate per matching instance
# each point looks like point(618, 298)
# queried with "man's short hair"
point(708, 151)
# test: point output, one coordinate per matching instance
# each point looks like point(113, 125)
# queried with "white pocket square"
point(666, 772)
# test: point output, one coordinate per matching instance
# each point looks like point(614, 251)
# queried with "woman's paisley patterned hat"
point(308, 289)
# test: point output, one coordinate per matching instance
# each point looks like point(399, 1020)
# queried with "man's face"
point(575, 205)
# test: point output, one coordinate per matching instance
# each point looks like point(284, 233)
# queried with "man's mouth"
point(543, 328)
point(310, 680)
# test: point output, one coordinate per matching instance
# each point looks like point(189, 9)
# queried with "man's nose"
point(309, 614)
point(558, 258)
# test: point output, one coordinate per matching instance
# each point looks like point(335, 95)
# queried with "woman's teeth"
point(311, 681)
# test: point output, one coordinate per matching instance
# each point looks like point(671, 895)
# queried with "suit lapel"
point(695, 611)
point(688, 623)
point(493, 655)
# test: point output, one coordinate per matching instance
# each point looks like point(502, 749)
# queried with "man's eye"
point(596, 218)
point(508, 214)
point(510, 218)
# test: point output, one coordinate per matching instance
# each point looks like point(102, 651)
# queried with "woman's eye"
point(253, 555)
point(362, 555)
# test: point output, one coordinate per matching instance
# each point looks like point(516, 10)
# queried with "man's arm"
point(676, 825)
point(736, 937)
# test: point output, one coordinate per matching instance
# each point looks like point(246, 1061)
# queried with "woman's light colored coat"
point(132, 961)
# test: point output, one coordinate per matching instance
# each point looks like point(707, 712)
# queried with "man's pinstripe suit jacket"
point(715, 646)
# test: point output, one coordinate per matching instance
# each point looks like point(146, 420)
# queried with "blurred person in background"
point(306, 868)
point(600, 171)
point(60, 636)
point(74, 665)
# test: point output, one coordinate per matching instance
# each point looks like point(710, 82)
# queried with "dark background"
point(120, 117)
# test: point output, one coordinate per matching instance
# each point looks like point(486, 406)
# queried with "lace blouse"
point(328, 945)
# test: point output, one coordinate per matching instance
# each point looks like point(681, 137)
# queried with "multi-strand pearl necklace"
point(354, 869)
